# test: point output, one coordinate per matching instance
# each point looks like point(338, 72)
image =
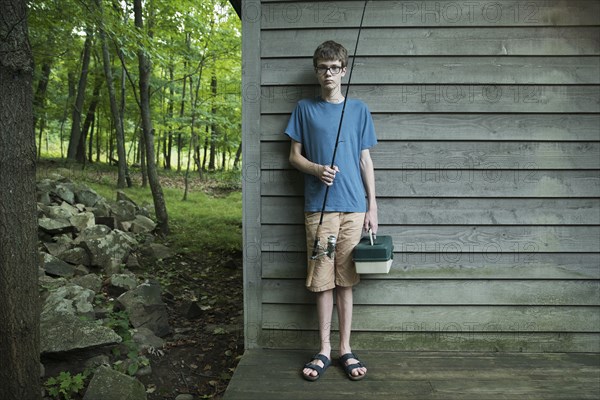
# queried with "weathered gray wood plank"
point(440, 211)
point(449, 98)
point(444, 70)
point(251, 190)
point(462, 155)
point(416, 376)
point(459, 41)
point(289, 14)
point(292, 265)
point(447, 292)
point(456, 183)
point(459, 239)
point(505, 341)
point(522, 127)
point(443, 318)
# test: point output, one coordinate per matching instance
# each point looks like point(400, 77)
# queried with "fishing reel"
point(320, 251)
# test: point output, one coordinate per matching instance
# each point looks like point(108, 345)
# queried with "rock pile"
point(89, 248)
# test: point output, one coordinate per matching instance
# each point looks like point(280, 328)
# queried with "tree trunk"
point(19, 297)
point(224, 152)
point(142, 156)
point(77, 107)
point(89, 117)
point(91, 140)
point(206, 145)
point(160, 207)
point(238, 156)
point(168, 144)
point(122, 176)
point(39, 100)
point(213, 126)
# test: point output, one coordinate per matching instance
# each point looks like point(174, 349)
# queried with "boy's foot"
point(353, 367)
point(316, 368)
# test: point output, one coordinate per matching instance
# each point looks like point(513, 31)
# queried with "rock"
point(56, 248)
point(97, 361)
point(65, 192)
point(191, 310)
point(54, 226)
point(76, 256)
point(109, 249)
point(142, 224)
point(113, 267)
point(83, 220)
point(132, 262)
point(184, 396)
point(124, 210)
point(69, 299)
point(64, 332)
point(157, 251)
point(121, 195)
point(90, 281)
point(121, 283)
point(145, 339)
point(146, 308)
point(62, 212)
point(56, 267)
point(95, 232)
point(50, 284)
point(145, 371)
point(125, 225)
point(43, 198)
point(101, 209)
point(87, 197)
point(81, 270)
point(108, 384)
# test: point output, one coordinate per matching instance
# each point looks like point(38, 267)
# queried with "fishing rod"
point(331, 240)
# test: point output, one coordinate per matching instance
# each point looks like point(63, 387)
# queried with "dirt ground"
point(204, 297)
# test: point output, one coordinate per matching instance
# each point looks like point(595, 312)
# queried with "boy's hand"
point(371, 221)
point(327, 174)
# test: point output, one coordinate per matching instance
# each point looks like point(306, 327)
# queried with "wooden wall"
point(487, 171)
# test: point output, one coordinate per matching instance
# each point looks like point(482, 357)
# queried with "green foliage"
point(184, 39)
point(118, 321)
point(65, 386)
point(201, 224)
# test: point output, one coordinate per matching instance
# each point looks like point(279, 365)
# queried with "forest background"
point(141, 85)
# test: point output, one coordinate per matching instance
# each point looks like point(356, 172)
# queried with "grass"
point(210, 220)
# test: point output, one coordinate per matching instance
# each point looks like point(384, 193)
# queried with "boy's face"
point(327, 79)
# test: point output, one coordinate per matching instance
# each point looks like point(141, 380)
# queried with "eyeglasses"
point(335, 69)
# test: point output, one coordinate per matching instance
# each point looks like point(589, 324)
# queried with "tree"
point(160, 207)
point(123, 176)
point(19, 313)
point(78, 106)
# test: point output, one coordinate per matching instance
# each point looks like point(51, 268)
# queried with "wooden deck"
point(275, 374)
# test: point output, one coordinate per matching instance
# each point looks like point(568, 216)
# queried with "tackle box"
point(374, 255)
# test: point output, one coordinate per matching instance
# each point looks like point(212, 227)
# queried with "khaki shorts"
point(328, 273)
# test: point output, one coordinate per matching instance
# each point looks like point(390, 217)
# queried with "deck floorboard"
point(275, 374)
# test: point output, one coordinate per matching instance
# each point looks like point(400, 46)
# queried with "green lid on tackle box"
point(374, 256)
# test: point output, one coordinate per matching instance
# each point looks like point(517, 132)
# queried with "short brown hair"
point(331, 51)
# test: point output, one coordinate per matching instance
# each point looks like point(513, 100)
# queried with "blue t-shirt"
point(314, 123)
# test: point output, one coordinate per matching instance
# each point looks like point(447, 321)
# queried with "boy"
point(313, 129)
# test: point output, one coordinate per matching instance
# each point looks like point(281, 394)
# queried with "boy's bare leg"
point(324, 312)
point(344, 303)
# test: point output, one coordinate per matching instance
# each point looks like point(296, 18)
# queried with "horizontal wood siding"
point(487, 172)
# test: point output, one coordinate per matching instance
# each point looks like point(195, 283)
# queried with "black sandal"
point(352, 367)
point(320, 370)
